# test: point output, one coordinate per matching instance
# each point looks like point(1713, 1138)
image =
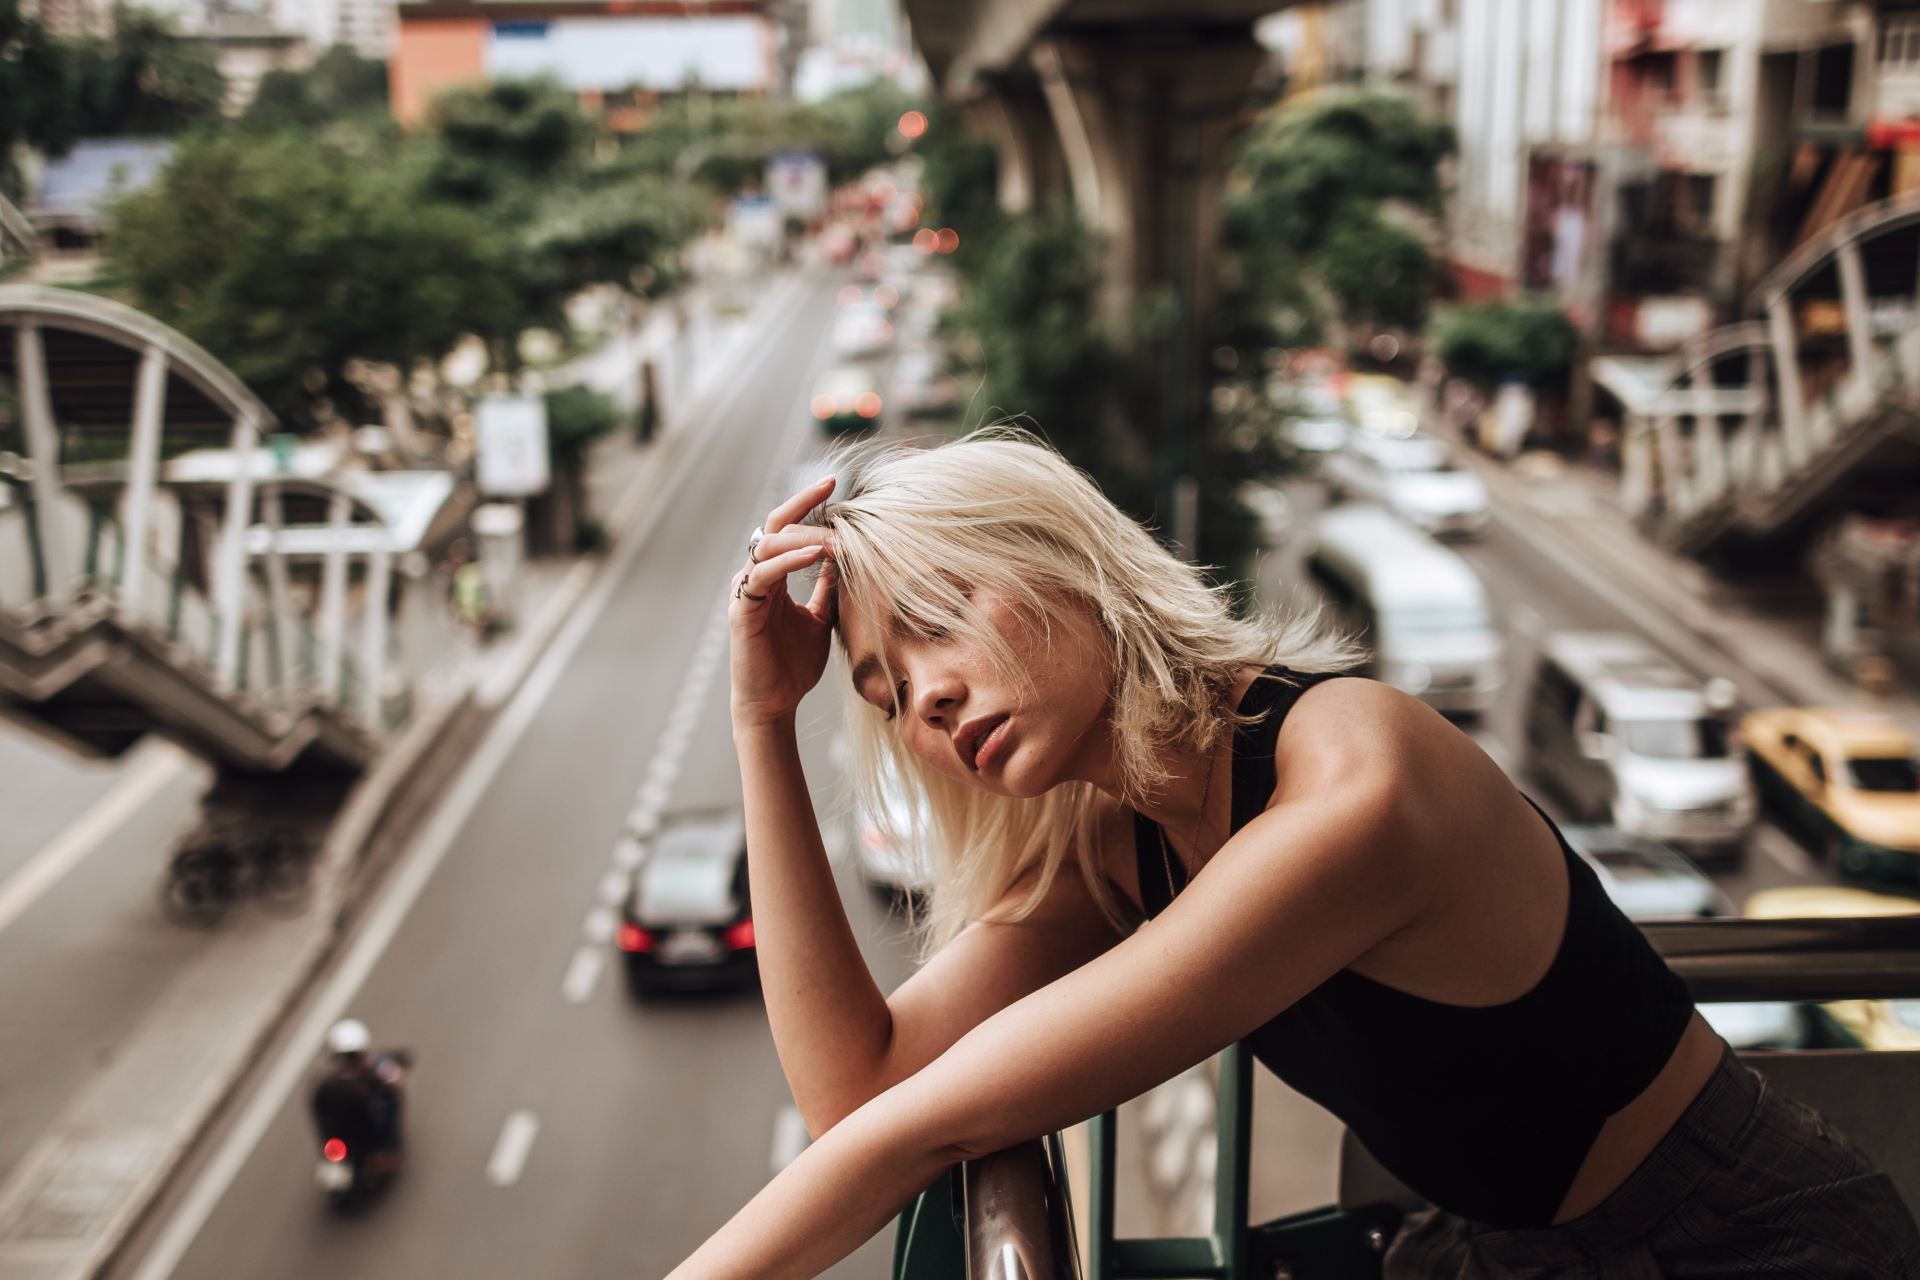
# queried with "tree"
point(340, 85)
point(1305, 226)
point(288, 257)
point(576, 417)
point(36, 85)
point(145, 79)
point(1492, 342)
point(497, 144)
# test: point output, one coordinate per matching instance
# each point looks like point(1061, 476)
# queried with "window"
point(1708, 69)
point(1697, 212)
point(1884, 773)
point(1676, 739)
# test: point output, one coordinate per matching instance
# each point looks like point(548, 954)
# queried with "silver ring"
point(753, 543)
point(740, 590)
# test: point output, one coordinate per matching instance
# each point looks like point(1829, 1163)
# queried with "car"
point(1416, 477)
point(1646, 879)
point(1623, 735)
point(1864, 1024)
point(862, 329)
point(1845, 781)
point(922, 387)
point(686, 922)
point(1381, 405)
point(885, 863)
point(846, 399)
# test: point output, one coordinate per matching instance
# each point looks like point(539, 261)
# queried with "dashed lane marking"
point(582, 973)
point(510, 1152)
point(790, 1138)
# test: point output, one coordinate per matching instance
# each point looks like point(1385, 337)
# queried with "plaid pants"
point(1748, 1183)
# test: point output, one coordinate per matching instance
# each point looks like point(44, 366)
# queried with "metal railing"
point(1003, 1218)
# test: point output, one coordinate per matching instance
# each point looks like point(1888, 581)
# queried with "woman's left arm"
point(1299, 893)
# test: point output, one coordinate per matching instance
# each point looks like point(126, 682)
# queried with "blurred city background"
point(386, 392)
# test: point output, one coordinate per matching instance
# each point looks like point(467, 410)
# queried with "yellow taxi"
point(1845, 781)
point(1868, 1024)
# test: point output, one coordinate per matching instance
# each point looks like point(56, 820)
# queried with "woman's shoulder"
point(1354, 730)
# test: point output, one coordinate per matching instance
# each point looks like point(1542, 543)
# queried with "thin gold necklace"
point(1193, 836)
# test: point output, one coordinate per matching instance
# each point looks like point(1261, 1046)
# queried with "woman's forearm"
point(833, 1198)
point(830, 1021)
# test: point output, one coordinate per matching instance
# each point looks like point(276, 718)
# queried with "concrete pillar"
point(1676, 479)
point(1145, 114)
point(1014, 116)
point(1786, 375)
point(143, 467)
point(280, 599)
point(1853, 301)
point(1636, 465)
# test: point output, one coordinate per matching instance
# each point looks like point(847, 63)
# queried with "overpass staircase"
point(169, 563)
point(1759, 432)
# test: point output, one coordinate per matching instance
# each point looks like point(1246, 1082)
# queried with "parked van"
point(1415, 603)
point(1626, 736)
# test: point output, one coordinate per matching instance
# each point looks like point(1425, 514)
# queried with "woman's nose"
point(935, 699)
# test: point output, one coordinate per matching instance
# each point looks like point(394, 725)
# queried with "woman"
point(1157, 829)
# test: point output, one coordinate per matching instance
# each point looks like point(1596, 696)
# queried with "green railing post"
point(1233, 1125)
point(1101, 1132)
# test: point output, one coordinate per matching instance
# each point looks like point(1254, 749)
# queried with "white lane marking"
point(790, 1138)
point(627, 853)
point(582, 973)
point(613, 885)
point(510, 1152)
point(102, 818)
point(599, 925)
point(410, 880)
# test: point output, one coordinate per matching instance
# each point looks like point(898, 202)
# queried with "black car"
point(686, 923)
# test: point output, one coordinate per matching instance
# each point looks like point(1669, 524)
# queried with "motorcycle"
point(357, 1161)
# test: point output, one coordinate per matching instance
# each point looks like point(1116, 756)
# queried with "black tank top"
point(1487, 1112)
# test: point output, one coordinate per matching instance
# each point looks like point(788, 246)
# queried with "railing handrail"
point(1830, 958)
point(1016, 1222)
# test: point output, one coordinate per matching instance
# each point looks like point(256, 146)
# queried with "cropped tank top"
point(1488, 1112)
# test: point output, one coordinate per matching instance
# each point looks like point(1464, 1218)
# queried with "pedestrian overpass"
point(171, 562)
point(1767, 429)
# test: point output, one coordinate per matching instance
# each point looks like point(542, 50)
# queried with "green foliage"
point(959, 178)
point(340, 85)
point(144, 79)
point(497, 144)
point(288, 257)
point(1030, 303)
point(1305, 239)
point(576, 417)
point(855, 129)
point(1491, 342)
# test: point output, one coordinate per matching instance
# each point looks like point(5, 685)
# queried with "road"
point(559, 1128)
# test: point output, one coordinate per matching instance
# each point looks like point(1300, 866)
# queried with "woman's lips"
point(991, 744)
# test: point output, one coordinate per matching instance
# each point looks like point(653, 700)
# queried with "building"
point(603, 48)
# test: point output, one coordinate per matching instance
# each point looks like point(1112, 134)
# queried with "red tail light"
point(867, 405)
point(632, 938)
point(740, 936)
point(334, 1150)
point(822, 406)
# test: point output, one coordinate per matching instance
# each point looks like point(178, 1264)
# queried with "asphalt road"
point(558, 1128)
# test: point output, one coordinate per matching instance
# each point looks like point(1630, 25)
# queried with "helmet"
point(349, 1035)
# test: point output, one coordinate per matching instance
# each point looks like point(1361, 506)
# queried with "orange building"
point(595, 47)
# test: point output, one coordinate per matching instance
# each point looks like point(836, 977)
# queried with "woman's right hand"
point(779, 644)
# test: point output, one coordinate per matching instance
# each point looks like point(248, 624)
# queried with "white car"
point(1646, 879)
point(862, 329)
point(1415, 477)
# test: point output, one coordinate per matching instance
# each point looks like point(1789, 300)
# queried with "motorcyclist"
point(357, 1096)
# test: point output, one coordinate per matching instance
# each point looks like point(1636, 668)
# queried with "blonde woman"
point(1156, 829)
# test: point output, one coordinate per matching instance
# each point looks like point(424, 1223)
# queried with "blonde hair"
point(914, 532)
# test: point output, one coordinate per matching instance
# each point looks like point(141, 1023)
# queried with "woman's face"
point(960, 715)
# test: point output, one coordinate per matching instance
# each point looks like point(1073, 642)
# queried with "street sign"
point(797, 181)
point(510, 445)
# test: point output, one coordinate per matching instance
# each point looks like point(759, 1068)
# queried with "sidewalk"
point(1771, 630)
point(97, 1166)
